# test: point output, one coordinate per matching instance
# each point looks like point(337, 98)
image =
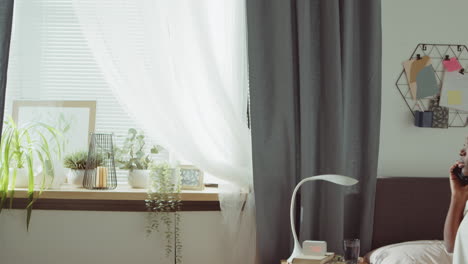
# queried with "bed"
point(408, 221)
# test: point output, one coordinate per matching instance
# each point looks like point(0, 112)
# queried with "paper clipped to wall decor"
point(421, 78)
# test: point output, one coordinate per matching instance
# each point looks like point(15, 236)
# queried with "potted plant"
point(20, 151)
point(131, 156)
point(21, 148)
point(76, 163)
point(163, 203)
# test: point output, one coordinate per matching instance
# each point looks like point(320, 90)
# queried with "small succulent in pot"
point(76, 162)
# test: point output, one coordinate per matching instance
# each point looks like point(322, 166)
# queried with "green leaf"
point(29, 209)
point(3, 199)
point(5, 167)
point(12, 192)
point(154, 150)
point(139, 154)
point(66, 128)
point(131, 134)
point(77, 160)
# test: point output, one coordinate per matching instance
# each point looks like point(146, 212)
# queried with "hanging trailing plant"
point(164, 204)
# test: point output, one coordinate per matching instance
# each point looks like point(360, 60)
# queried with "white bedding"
point(414, 252)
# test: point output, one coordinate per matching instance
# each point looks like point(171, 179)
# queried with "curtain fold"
point(180, 69)
point(315, 81)
point(6, 24)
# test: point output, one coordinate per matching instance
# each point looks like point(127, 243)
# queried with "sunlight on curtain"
point(180, 68)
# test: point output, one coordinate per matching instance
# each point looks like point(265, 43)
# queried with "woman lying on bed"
point(456, 227)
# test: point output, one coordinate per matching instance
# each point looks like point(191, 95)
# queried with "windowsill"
point(120, 193)
point(123, 198)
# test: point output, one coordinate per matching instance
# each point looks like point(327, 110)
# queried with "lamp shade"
point(334, 178)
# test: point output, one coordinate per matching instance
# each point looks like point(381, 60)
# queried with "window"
point(50, 60)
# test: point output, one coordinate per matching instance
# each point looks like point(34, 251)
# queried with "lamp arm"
point(293, 208)
point(337, 179)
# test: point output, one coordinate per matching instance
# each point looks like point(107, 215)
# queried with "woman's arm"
point(452, 222)
point(455, 212)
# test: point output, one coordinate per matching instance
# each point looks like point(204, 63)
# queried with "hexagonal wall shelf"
point(437, 53)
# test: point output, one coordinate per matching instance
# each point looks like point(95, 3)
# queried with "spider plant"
point(21, 148)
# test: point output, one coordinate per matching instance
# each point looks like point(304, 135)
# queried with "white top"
point(460, 252)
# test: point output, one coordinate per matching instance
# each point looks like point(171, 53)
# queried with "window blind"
point(50, 60)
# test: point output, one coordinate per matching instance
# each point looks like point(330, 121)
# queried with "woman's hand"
point(459, 191)
point(457, 205)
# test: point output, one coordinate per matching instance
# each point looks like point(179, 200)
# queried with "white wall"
point(406, 150)
point(75, 237)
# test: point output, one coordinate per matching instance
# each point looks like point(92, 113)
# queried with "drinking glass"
point(351, 250)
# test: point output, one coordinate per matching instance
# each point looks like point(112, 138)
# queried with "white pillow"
point(414, 252)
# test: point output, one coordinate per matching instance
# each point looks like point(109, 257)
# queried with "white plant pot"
point(54, 182)
point(49, 181)
point(60, 174)
point(75, 177)
point(138, 178)
point(22, 178)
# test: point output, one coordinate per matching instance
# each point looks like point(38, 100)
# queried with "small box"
point(423, 119)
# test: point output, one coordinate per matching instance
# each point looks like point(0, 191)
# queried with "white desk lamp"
point(337, 179)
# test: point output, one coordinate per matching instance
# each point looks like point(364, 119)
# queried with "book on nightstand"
point(316, 260)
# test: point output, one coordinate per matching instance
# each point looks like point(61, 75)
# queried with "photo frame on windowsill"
point(191, 178)
point(79, 117)
point(75, 120)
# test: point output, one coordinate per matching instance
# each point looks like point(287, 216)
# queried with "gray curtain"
point(6, 18)
point(315, 84)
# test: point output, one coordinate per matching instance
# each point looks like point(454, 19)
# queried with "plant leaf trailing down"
point(164, 200)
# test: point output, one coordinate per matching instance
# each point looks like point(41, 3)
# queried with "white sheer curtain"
point(180, 68)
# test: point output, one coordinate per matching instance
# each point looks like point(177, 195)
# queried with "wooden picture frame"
point(191, 178)
point(85, 111)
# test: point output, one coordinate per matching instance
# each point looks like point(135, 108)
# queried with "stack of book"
point(311, 260)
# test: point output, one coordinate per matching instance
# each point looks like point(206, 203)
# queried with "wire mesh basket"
point(100, 167)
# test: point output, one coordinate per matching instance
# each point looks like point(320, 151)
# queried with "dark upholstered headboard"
point(409, 209)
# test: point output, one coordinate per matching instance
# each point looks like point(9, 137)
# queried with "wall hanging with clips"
point(434, 85)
